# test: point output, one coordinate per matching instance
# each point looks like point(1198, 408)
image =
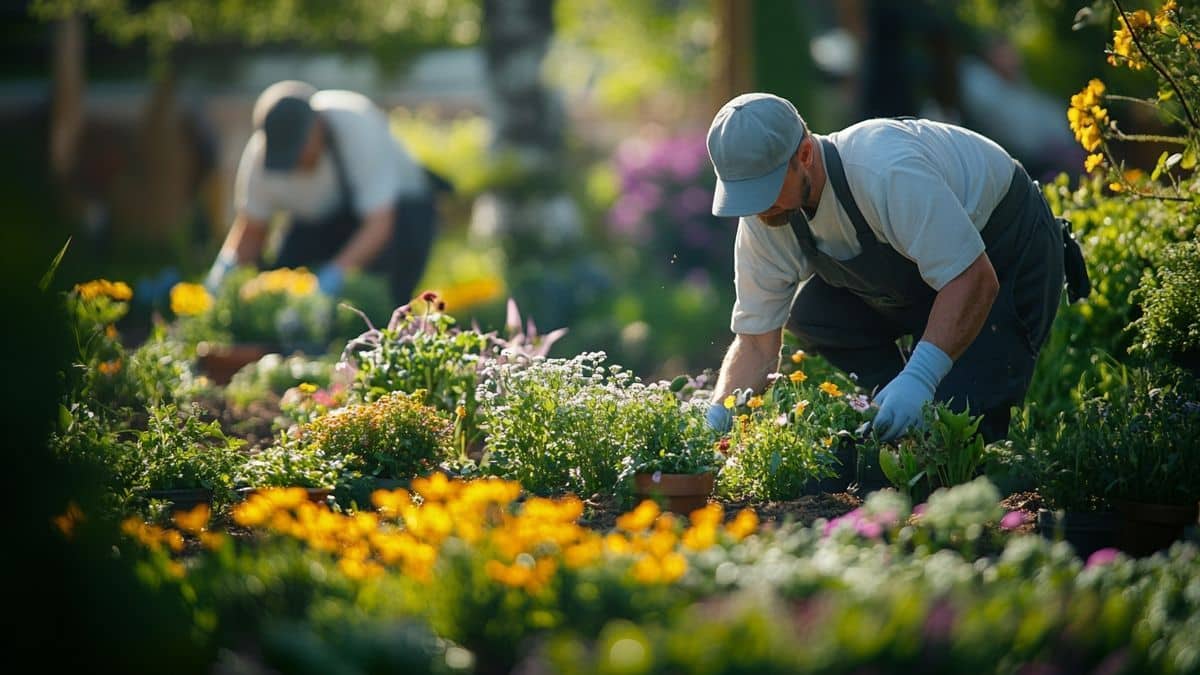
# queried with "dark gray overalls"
point(853, 311)
point(402, 261)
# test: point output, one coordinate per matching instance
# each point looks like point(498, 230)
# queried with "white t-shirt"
point(378, 169)
point(925, 188)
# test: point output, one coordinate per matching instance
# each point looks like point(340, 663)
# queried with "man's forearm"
point(748, 362)
point(368, 241)
point(961, 308)
point(245, 240)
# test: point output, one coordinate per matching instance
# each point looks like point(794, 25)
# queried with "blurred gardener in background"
point(357, 199)
point(888, 228)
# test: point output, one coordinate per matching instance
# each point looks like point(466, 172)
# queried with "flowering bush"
point(947, 451)
point(664, 207)
point(787, 438)
point(578, 425)
point(395, 436)
point(1168, 44)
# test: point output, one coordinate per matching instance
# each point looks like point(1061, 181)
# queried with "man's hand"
point(719, 418)
point(330, 278)
point(900, 402)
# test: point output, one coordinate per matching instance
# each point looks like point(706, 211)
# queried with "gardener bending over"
point(357, 200)
point(888, 228)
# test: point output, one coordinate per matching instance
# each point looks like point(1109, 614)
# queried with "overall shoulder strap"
point(339, 164)
point(841, 189)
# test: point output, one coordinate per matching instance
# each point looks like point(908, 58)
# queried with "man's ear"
point(805, 151)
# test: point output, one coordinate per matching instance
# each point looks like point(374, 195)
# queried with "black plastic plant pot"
point(1148, 528)
point(183, 499)
point(1086, 531)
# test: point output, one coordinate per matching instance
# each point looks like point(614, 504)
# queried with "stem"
point(1161, 71)
point(1153, 104)
point(1150, 138)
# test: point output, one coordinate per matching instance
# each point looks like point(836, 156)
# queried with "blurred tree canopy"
point(165, 24)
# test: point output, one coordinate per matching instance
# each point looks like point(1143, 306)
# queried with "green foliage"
point(1120, 239)
point(1134, 442)
point(290, 462)
point(946, 452)
point(179, 450)
point(390, 28)
point(395, 436)
point(1169, 327)
point(676, 438)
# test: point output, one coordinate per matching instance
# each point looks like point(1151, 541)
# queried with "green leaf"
point(1189, 159)
point(49, 275)
point(1158, 166)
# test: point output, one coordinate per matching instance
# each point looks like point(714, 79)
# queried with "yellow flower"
point(117, 290)
point(307, 388)
point(110, 331)
point(1162, 18)
point(729, 402)
point(798, 356)
point(755, 402)
point(1115, 187)
point(743, 525)
point(700, 537)
point(640, 517)
point(1086, 115)
point(194, 521)
point(647, 570)
point(801, 406)
point(798, 376)
point(460, 412)
point(1183, 40)
point(1139, 19)
point(190, 299)
point(1124, 49)
point(672, 566)
point(110, 368)
point(830, 389)
point(827, 441)
point(69, 519)
point(1093, 161)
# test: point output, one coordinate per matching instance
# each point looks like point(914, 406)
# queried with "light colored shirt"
point(925, 188)
point(378, 169)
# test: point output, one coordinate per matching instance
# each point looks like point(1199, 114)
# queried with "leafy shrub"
point(1169, 327)
point(946, 452)
point(179, 450)
point(395, 436)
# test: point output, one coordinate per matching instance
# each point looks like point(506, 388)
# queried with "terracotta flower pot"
point(1147, 528)
point(1086, 531)
point(220, 362)
point(681, 493)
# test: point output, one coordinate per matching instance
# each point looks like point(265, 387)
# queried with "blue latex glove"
point(220, 267)
point(900, 402)
point(330, 278)
point(719, 418)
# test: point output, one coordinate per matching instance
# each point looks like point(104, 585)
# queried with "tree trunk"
point(531, 214)
point(66, 103)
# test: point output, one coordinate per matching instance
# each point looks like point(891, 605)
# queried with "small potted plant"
point(291, 464)
point(181, 460)
point(947, 451)
point(1151, 468)
point(676, 455)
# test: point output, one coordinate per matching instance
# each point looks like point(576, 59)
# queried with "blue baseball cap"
point(751, 139)
point(285, 117)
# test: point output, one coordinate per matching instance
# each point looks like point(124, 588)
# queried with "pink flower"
point(919, 510)
point(1102, 556)
point(1013, 519)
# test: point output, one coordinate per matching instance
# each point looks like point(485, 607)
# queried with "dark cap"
point(285, 116)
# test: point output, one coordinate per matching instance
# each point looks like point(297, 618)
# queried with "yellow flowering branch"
point(1187, 111)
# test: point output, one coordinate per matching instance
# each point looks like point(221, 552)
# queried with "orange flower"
point(830, 389)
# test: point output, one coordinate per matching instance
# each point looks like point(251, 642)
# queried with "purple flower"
point(919, 510)
point(869, 529)
point(1102, 556)
point(859, 402)
point(1013, 519)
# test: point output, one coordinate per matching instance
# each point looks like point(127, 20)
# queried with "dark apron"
point(402, 260)
point(852, 312)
